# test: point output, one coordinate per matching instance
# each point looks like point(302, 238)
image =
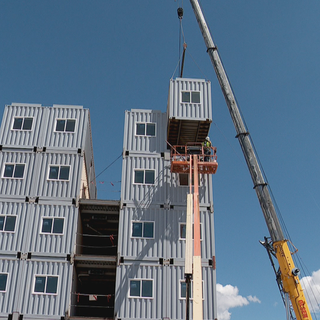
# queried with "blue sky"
point(111, 56)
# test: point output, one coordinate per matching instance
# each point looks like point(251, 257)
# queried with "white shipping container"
point(189, 99)
point(145, 131)
point(142, 182)
point(167, 292)
point(10, 269)
point(50, 300)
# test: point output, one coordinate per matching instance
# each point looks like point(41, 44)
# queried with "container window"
point(142, 229)
point(59, 172)
point(21, 123)
point(183, 229)
point(141, 129)
point(3, 282)
point(146, 129)
point(148, 229)
point(183, 289)
point(46, 284)
point(185, 96)
point(190, 96)
point(65, 125)
point(149, 176)
point(134, 288)
point(139, 176)
point(147, 288)
point(52, 225)
point(7, 223)
point(144, 176)
point(140, 288)
point(137, 229)
point(14, 170)
point(151, 129)
point(195, 97)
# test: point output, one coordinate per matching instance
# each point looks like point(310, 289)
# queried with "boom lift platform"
point(181, 154)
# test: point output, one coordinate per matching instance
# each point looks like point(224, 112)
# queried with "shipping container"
point(147, 234)
point(158, 292)
point(18, 173)
point(176, 233)
point(21, 125)
point(189, 111)
point(30, 125)
point(190, 99)
point(58, 175)
point(178, 187)
point(163, 188)
point(66, 127)
point(142, 233)
point(143, 180)
point(14, 230)
point(52, 230)
point(9, 274)
point(145, 131)
point(45, 289)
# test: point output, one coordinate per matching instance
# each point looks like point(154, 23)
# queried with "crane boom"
point(289, 274)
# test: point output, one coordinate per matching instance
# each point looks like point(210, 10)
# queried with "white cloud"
point(253, 299)
point(311, 287)
point(228, 297)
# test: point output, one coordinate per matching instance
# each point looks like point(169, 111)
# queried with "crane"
point(288, 273)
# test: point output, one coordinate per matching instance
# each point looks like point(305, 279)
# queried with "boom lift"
point(287, 270)
point(193, 158)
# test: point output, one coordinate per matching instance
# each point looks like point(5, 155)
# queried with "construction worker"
point(207, 148)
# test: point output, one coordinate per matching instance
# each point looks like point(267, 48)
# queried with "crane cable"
point(106, 168)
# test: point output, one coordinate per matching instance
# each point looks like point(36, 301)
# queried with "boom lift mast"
point(289, 274)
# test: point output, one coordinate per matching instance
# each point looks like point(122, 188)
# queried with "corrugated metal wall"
point(17, 187)
point(7, 299)
point(143, 195)
point(166, 188)
point(142, 248)
point(18, 138)
point(19, 143)
point(60, 140)
point(163, 203)
point(43, 132)
point(166, 242)
point(27, 251)
point(181, 110)
point(27, 236)
point(28, 303)
point(144, 143)
point(13, 242)
point(166, 301)
point(52, 245)
point(46, 188)
point(36, 172)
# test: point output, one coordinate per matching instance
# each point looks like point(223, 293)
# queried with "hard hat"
point(207, 138)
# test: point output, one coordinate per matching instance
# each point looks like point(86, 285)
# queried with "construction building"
point(64, 254)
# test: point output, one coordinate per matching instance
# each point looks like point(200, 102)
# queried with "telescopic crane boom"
point(289, 274)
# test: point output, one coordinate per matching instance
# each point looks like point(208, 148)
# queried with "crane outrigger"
point(288, 273)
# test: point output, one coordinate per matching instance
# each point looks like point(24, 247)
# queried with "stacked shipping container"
point(150, 273)
point(46, 163)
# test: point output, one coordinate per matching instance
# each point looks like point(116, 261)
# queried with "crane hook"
point(180, 13)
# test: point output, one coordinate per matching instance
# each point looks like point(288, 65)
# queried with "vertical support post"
point(197, 270)
point(188, 258)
